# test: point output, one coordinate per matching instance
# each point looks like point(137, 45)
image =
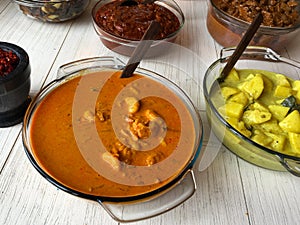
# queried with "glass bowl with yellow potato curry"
point(255, 110)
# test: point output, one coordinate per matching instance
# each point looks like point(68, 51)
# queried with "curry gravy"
point(102, 135)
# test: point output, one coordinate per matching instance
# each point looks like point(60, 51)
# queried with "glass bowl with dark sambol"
point(128, 143)
point(120, 26)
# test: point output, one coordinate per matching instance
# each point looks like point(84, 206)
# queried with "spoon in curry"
point(141, 49)
point(241, 46)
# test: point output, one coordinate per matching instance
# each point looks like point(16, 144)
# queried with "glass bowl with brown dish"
point(227, 21)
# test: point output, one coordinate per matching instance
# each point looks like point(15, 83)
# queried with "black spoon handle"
point(141, 49)
point(241, 46)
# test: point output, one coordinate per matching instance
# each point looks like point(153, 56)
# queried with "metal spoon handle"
point(141, 49)
point(241, 46)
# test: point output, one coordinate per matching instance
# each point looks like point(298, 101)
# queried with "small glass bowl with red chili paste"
point(121, 24)
point(14, 84)
point(227, 21)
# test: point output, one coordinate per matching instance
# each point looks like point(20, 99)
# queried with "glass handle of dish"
point(86, 66)
point(290, 61)
point(290, 165)
point(153, 206)
point(250, 52)
point(259, 52)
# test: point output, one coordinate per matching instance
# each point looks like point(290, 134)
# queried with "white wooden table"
point(230, 191)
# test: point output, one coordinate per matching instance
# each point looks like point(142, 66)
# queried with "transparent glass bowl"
point(54, 10)
point(123, 208)
point(228, 30)
point(258, 58)
point(15, 88)
point(126, 46)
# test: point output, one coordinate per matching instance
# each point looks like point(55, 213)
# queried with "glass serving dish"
point(125, 46)
point(258, 58)
point(228, 30)
point(124, 208)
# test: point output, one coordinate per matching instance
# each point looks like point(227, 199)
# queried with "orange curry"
point(102, 135)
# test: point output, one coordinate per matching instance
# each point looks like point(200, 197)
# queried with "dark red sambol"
point(8, 62)
point(131, 22)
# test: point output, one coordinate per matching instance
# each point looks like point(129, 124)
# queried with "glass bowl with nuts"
point(53, 10)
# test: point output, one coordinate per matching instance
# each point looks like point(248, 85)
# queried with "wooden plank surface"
point(230, 191)
point(4, 4)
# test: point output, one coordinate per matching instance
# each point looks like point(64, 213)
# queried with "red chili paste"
point(8, 62)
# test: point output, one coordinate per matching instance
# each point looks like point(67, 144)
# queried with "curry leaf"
point(291, 102)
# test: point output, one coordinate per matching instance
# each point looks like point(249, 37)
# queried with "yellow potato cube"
point(282, 80)
point(296, 85)
point(278, 111)
point(278, 142)
point(270, 126)
point(233, 76)
point(279, 101)
point(232, 109)
point(239, 126)
point(260, 138)
point(291, 123)
point(297, 96)
point(282, 91)
point(240, 97)
point(294, 141)
point(251, 117)
point(268, 85)
point(250, 76)
point(228, 91)
point(254, 87)
point(233, 121)
point(243, 130)
point(258, 106)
